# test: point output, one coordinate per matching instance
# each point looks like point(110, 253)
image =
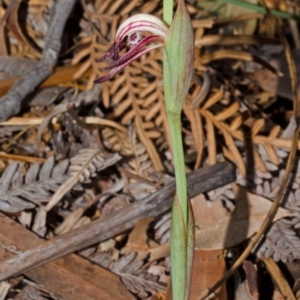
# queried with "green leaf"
point(168, 11)
point(190, 249)
point(178, 72)
point(178, 251)
point(179, 53)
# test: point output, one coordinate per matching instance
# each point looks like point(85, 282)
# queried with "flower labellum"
point(129, 36)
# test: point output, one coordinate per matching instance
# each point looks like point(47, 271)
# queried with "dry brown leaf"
point(137, 241)
point(268, 81)
point(251, 279)
point(71, 277)
point(219, 229)
point(159, 252)
point(208, 268)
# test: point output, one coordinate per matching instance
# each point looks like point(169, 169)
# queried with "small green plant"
point(178, 70)
point(176, 37)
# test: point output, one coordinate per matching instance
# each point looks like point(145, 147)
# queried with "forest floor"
point(87, 178)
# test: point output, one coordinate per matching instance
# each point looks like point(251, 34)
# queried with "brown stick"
point(11, 102)
point(199, 181)
point(60, 76)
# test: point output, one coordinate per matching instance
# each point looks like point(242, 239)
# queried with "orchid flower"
point(129, 36)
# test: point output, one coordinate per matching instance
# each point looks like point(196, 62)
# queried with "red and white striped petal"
point(141, 22)
point(133, 25)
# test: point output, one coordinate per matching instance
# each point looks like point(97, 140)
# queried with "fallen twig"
point(11, 102)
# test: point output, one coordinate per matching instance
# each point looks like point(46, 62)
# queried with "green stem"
point(168, 11)
point(174, 120)
point(181, 255)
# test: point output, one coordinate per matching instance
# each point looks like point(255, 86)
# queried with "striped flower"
point(129, 37)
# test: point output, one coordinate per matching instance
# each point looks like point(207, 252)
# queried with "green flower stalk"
point(178, 69)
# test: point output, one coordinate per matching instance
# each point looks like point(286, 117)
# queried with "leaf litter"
point(85, 152)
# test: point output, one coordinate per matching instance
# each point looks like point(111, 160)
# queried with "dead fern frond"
point(282, 242)
point(19, 191)
point(137, 168)
point(233, 125)
point(140, 163)
point(88, 162)
point(114, 140)
point(82, 167)
point(198, 135)
point(133, 276)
